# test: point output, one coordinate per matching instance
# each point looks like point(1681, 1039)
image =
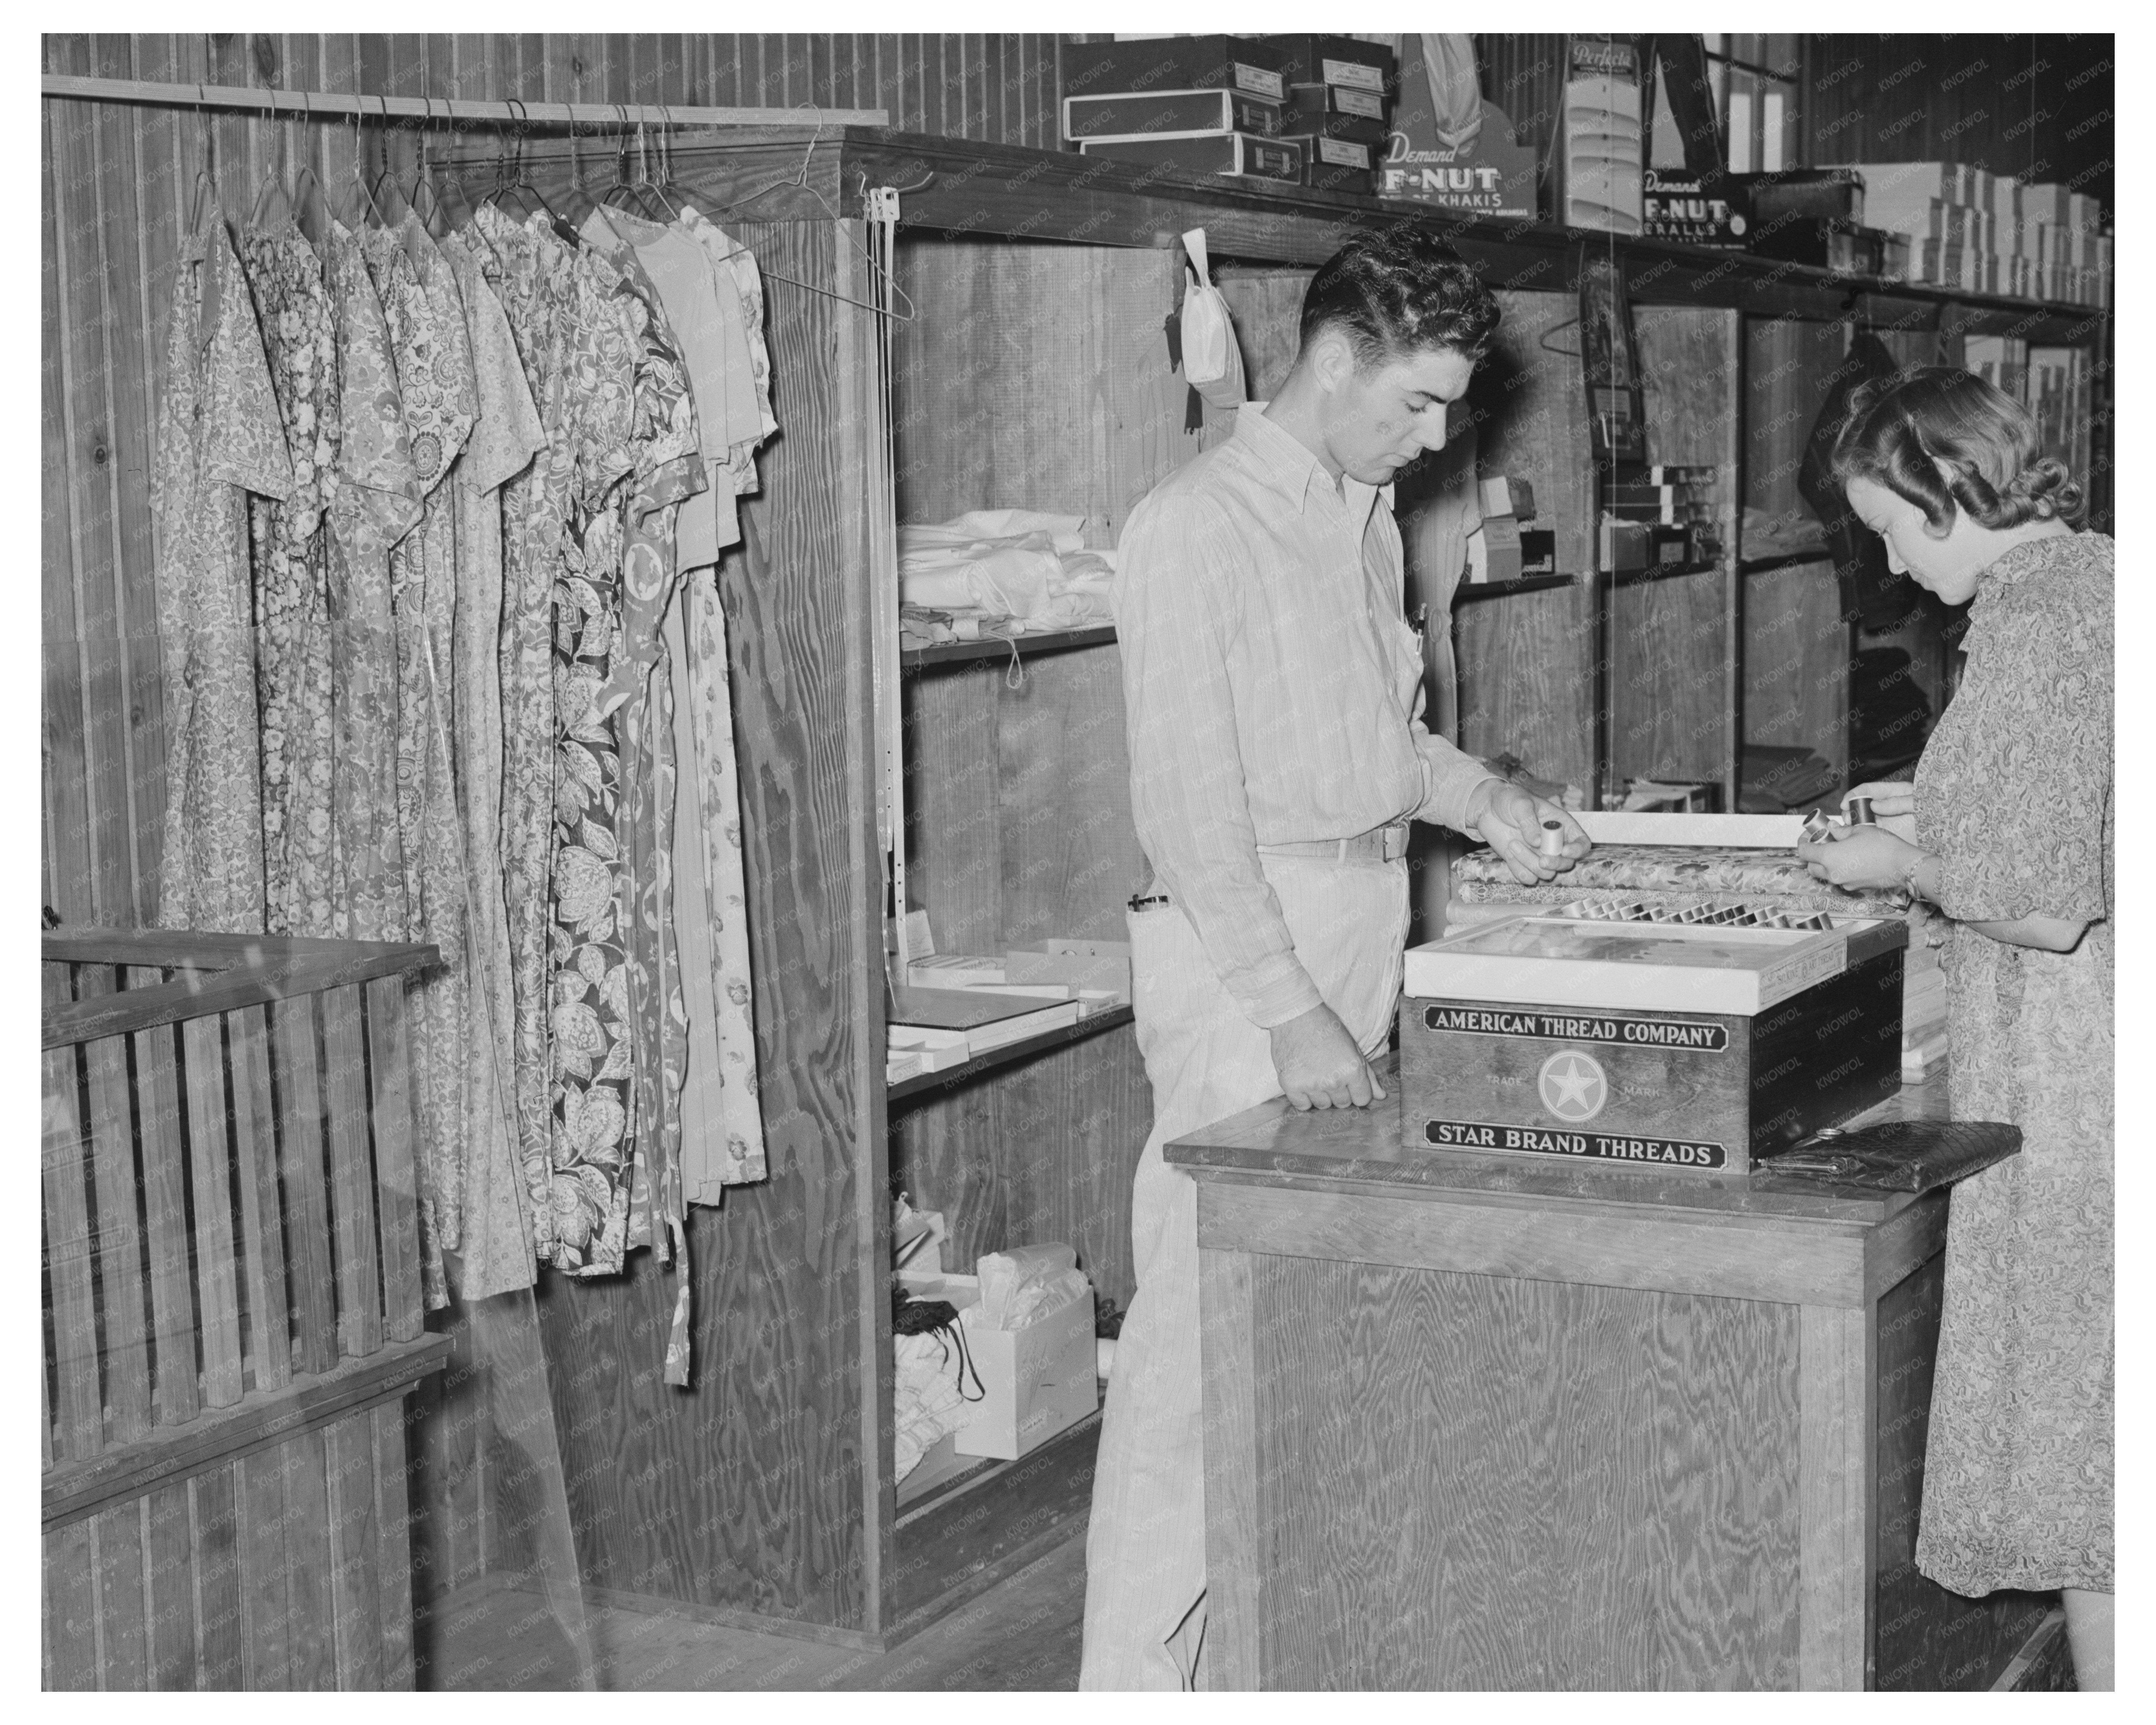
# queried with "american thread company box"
point(1695, 1045)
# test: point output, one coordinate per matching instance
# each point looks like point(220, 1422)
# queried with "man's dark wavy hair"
point(1398, 292)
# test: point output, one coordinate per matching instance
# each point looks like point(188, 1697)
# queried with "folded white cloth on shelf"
point(1018, 563)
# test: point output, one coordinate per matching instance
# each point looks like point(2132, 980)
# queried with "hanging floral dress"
point(288, 552)
point(376, 504)
point(496, 1238)
point(435, 383)
point(218, 437)
point(538, 296)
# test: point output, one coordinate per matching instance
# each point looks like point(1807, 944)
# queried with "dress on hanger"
point(289, 553)
point(497, 1253)
point(218, 437)
point(537, 296)
point(591, 1093)
point(433, 361)
point(376, 504)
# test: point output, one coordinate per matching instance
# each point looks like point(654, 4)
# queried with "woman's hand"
point(1855, 858)
point(1893, 806)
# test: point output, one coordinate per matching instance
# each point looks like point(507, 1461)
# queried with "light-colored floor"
point(1021, 1634)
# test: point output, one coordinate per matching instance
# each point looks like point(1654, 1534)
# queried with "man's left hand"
point(1511, 821)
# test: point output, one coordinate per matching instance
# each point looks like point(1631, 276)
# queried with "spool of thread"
point(1552, 838)
point(1860, 812)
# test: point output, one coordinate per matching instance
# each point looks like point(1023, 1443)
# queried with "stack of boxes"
point(1313, 110)
point(1988, 233)
point(1654, 516)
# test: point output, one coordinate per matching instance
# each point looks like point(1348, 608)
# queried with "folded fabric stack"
point(1003, 571)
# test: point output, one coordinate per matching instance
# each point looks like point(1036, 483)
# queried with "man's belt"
point(1380, 845)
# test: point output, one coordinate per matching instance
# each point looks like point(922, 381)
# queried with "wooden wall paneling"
point(758, 1471)
point(164, 1206)
point(442, 1428)
point(65, 1159)
point(299, 1161)
point(889, 78)
point(1265, 307)
point(1669, 684)
point(1796, 660)
point(350, 1549)
point(948, 1155)
point(393, 1554)
point(1069, 854)
point(134, 190)
point(1789, 367)
point(65, 727)
point(170, 1563)
point(214, 1508)
point(210, 1169)
point(115, 1538)
point(1526, 670)
point(265, 1606)
point(89, 335)
point(1528, 402)
point(70, 1603)
point(269, 1356)
point(953, 813)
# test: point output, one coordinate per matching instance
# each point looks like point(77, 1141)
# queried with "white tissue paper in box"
point(1032, 1348)
point(1026, 1283)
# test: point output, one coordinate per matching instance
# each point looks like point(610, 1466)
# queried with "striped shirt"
point(1272, 689)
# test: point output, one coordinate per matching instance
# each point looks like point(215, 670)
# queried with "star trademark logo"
point(1573, 1086)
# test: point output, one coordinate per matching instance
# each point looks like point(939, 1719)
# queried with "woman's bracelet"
point(1909, 874)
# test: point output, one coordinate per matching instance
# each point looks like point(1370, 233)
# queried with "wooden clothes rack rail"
point(308, 104)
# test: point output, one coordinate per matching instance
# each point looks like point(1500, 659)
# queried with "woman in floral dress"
point(2007, 830)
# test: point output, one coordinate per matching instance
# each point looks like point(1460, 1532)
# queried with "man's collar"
point(1289, 463)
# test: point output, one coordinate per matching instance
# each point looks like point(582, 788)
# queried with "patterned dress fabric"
point(218, 437)
point(291, 607)
point(497, 1252)
point(439, 398)
point(376, 504)
point(2015, 794)
point(537, 294)
point(591, 1091)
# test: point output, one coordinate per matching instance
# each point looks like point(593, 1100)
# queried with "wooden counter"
point(1476, 1422)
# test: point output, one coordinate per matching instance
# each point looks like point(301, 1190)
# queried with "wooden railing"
point(232, 1310)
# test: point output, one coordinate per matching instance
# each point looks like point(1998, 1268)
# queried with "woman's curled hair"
point(1897, 425)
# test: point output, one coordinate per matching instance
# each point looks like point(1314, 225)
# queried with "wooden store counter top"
point(1482, 1422)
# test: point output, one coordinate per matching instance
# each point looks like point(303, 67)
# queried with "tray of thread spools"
point(1698, 1036)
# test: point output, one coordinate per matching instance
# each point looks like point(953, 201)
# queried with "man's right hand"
point(1319, 1065)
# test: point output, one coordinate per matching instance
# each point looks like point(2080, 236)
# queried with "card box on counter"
point(1713, 211)
point(1236, 152)
point(1174, 112)
point(1698, 1045)
point(1248, 63)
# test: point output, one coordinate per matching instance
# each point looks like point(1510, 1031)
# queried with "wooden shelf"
point(1060, 640)
point(1640, 578)
point(798, 172)
point(1497, 589)
point(1009, 1054)
point(1782, 560)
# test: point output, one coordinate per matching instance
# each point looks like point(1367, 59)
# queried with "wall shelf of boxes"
point(1034, 375)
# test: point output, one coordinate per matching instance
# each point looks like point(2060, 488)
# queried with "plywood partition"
point(1672, 643)
point(749, 1490)
point(1035, 376)
point(1797, 644)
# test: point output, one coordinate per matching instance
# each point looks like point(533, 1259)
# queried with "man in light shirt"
point(1273, 699)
